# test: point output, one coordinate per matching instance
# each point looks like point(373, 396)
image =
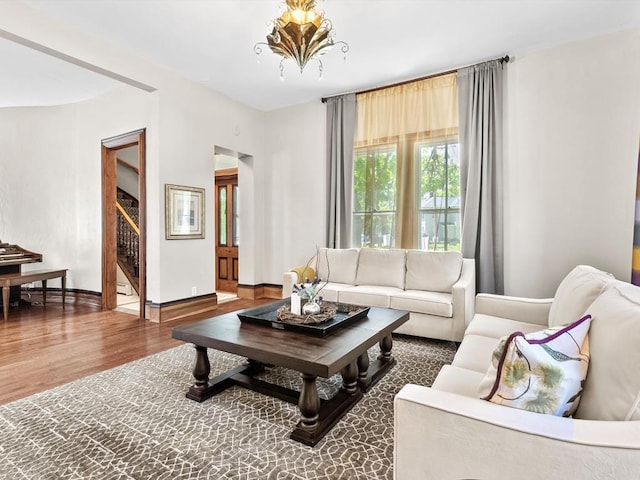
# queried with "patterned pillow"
point(541, 372)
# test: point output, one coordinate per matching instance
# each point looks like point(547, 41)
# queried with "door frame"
point(223, 175)
point(110, 147)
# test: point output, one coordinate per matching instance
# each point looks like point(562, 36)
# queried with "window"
point(439, 195)
point(437, 201)
point(406, 170)
point(374, 196)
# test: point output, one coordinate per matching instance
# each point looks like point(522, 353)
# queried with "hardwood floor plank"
point(41, 348)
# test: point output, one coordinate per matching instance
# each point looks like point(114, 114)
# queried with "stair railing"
point(128, 237)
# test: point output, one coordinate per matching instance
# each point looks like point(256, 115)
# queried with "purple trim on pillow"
point(510, 338)
point(496, 383)
point(558, 333)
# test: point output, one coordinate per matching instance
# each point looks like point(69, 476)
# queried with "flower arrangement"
point(308, 291)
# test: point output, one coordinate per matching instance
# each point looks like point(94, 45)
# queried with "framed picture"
point(184, 212)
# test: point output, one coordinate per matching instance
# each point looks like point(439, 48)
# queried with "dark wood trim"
point(109, 230)
point(177, 309)
point(263, 290)
point(182, 300)
point(72, 295)
point(142, 219)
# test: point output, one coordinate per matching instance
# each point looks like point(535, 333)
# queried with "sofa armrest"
point(448, 436)
point(464, 292)
point(288, 280)
point(530, 310)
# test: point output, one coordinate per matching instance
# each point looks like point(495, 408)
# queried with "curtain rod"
point(502, 60)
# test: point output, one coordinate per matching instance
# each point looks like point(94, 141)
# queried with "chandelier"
point(301, 34)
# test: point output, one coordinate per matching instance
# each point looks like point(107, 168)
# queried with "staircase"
point(128, 237)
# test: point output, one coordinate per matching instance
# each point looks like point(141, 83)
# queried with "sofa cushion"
point(431, 303)
point(432, 271)
point(338, 265)
point(458, 380)
point(475, 353)
point(575, 293)
point(612, 388)
point(330, 291)
point(498, 327)
point(540, 372)
point(381, 267)
point(368, 295)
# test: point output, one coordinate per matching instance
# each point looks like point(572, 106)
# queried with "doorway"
point(227, 231)
point(124, 218)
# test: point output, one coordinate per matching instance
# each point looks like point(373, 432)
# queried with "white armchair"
point(443, 435)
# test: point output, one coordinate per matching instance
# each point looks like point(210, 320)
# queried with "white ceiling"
point(211, 42)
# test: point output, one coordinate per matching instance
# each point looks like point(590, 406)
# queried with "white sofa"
point(437, 288)
point(448, 432)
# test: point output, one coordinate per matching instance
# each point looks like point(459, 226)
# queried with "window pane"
point(360, 182)
point(357, 230)
point(374, 196)
point(383, 229)
point(236, 217)
point(222, 215)
point(439, 195)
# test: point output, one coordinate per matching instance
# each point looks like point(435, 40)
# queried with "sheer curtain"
point(402, 115)
point(480, 113)
point(341, 125)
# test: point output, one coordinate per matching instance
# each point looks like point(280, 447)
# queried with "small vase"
point(311, 307)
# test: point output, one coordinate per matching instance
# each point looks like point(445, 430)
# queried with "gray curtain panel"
point(341, 127)
point(480, 123)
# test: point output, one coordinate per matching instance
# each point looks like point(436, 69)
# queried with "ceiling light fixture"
point(301, 34)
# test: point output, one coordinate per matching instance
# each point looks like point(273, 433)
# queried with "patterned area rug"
point(134, 422)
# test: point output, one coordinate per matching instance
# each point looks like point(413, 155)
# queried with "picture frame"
point(184, 212)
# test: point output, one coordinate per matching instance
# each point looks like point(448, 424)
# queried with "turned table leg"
point(309, 403)
point(202, 368)
point(350, 378)
point(363, 369)
point(385, 348)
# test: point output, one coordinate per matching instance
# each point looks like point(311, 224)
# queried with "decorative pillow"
point(612, 390)
point(576, 292)
point(304, 273)
point(542, 372)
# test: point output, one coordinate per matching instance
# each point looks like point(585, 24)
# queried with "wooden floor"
point(41, 348)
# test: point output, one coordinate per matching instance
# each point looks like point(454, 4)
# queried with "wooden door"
point(227, 234)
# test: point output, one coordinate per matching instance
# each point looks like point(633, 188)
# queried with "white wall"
point(295, 142)
point(572, 130)
point(193, 120)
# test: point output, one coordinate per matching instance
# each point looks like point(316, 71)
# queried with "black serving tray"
point(266, 316)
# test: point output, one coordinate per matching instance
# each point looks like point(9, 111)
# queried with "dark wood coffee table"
point(344, 352)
